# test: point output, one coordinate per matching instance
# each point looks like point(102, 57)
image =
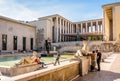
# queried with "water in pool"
point(11, 60)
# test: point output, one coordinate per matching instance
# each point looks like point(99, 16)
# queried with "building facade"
point(56, 29)
point(60, 29)
point(16, 36)
point(111, 16)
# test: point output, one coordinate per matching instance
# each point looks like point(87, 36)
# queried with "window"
point(14, 42)
point(4, 42)
point(31, 43)
point(24, 43)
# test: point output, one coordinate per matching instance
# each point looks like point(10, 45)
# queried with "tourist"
point(38, 60)
point(0, 52)
point(99, 54)
point(47, 47)
point(57, 58)
point(93, 60)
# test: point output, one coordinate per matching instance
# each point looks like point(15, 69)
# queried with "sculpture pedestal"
point(84, 65)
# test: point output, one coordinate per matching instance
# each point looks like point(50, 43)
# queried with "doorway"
point(24, 43)
point(31, 43)
point(14, 42)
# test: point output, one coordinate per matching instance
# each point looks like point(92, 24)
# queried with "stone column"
point(63, 30)
point(72, 28)
point(60, 29)
point(57, 28)
point(91, 27)
point(97, 26)
point(51, 25)
point(86, 28)
point(68, 27)
point(76, 28)
point(81, 27)
point(70, 31)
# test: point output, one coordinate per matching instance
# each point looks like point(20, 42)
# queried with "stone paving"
point(110, 71)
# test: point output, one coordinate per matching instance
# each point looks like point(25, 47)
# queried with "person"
point(93, 60)
point(47, 47)
point(57, 58)
point(38, 60)
point(99, 54)
point(0, 52)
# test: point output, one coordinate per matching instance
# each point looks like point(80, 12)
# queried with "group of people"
point(38, 60)
point(95, 59)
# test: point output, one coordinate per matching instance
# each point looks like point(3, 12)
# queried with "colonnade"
point(89, 26)
point(65, 30)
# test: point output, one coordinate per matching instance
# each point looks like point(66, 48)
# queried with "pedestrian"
point(93, 60)
point(47, 47)
point(99, 54)
point(38, 60)
point(57, 58)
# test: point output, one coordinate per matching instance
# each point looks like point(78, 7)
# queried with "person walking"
point(99, 54)
point(57, 59)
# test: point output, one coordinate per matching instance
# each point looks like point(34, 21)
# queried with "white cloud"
point(12, 9)
point(19, 11)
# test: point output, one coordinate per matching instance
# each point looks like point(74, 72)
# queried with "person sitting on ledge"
point(38, 60)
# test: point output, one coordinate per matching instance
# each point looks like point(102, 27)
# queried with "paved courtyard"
point(110, 71)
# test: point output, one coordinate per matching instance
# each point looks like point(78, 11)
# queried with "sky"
point(73, 10)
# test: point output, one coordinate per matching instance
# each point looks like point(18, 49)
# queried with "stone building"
point(59, 29)
point(111, 20)
point(16, 35)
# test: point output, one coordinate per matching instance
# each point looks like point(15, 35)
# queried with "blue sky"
point(73, 10)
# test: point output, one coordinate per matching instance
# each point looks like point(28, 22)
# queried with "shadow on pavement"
point(100, 76)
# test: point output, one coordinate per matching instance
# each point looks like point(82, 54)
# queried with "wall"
point(48, 28)
point(106, 25)
point(17, 70)
point(116, 22)
point(77, 43)
point(64, 72)
point(15, 29)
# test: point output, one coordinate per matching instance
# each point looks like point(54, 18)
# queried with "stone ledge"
point(21, 69)
point(63, 72)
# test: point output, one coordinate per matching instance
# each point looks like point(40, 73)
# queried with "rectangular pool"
point(11, 60)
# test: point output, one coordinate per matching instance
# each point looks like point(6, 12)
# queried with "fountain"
point(25, 65)
point(82, 56)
